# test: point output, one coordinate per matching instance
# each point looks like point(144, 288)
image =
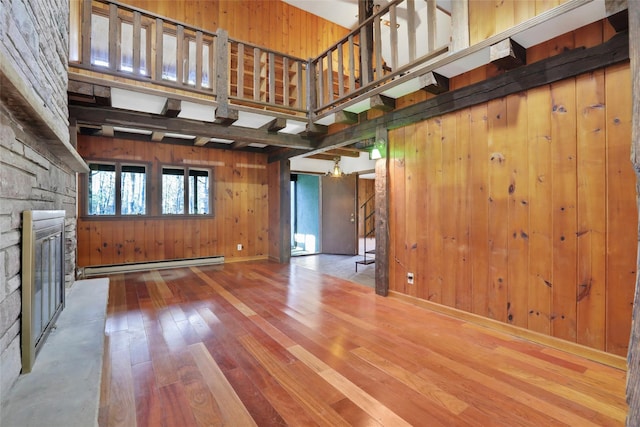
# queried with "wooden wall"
point(523, 209)
point(269, 23)
point(240, 208)
point(490, 17)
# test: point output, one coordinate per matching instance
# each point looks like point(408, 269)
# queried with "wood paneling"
point(240, 215)
point(490, 17)
point(551, 214)
point(272, 24)
point(269, 344)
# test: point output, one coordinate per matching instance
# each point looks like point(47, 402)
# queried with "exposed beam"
point(382, 103)
point(556, 68)
point(239, 144)
point(346, 152)
point(163, 124)
point(321, 156)
point(507, 54)
point(346, 117)
point(172, 108)
point(225, 116)
point(107, 131)
point(619, 21)
point(275, 125)
point(314, 129)
point(102, 95)
point(434, 83)
point(201, 140)
point(89, 93)
point(157, 136)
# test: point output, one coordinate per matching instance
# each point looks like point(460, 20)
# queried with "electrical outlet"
point(410, 278)
point(239, 246)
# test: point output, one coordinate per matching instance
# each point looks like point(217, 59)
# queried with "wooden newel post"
point(312, 96)
point(224, 114)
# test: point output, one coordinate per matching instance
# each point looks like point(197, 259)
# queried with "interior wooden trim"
point(599, 356)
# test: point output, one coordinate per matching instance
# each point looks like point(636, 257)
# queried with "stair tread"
point(372, 251)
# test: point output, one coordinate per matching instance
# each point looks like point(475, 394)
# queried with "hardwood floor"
point(267, 344)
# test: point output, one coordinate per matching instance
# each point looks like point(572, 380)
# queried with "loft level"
point(378, 62)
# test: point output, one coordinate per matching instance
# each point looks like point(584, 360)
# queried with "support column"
point(382, 221)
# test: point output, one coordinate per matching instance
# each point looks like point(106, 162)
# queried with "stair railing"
point(369, 226)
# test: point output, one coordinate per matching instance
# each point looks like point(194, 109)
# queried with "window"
point(99, 43)
point(117, 189)
point(102, 189)
point(185, 187)
point(172, 191)
point(133, 186)
point(198, 192)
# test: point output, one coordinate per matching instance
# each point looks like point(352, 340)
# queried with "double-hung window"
point(117, 189)
point(185, 191)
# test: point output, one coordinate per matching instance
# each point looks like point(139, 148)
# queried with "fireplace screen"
point(42, 279)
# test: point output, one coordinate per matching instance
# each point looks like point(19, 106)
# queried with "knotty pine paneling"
point(490, 17)
point(523, 210)
point(269, 23)
point(240, 205)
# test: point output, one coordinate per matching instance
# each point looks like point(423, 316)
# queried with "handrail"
point(339, 80)
point(367, 201)
point(143, 46)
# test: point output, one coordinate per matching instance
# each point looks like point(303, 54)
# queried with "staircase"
point(369, 214)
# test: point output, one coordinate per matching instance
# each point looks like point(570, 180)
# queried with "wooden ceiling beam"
point(344, 152)
point(382, 103)
point(157, 123)
point(201, 140)
point(434, 83)
point(275, 125)
point(172, 107)
point(507, 54)
point(157, 136)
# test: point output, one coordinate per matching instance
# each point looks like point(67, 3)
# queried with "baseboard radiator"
point(42, 279)
point(100, 270)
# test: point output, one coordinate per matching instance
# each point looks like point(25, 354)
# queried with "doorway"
point(305, 214)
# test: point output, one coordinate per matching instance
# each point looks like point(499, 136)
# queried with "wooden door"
point(339, 215)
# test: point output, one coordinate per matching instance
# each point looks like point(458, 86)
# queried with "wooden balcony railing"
point(394, 40)
point(116, 39)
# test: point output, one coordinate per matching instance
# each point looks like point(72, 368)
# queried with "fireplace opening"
point(42, 279)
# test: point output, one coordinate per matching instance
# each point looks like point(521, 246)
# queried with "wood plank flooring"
point(267, 344)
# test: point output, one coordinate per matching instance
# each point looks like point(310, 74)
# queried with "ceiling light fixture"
point(336, 172)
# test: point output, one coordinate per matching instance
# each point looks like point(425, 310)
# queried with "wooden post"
point(312, 100)
point(224, 114)
point(137, 28)
point(411, 29)
point(633, 376)
point(157, 76)
point(85, 57)
point(382, 222)
point(114, 38)
point(365, 11)
point(459, 25)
